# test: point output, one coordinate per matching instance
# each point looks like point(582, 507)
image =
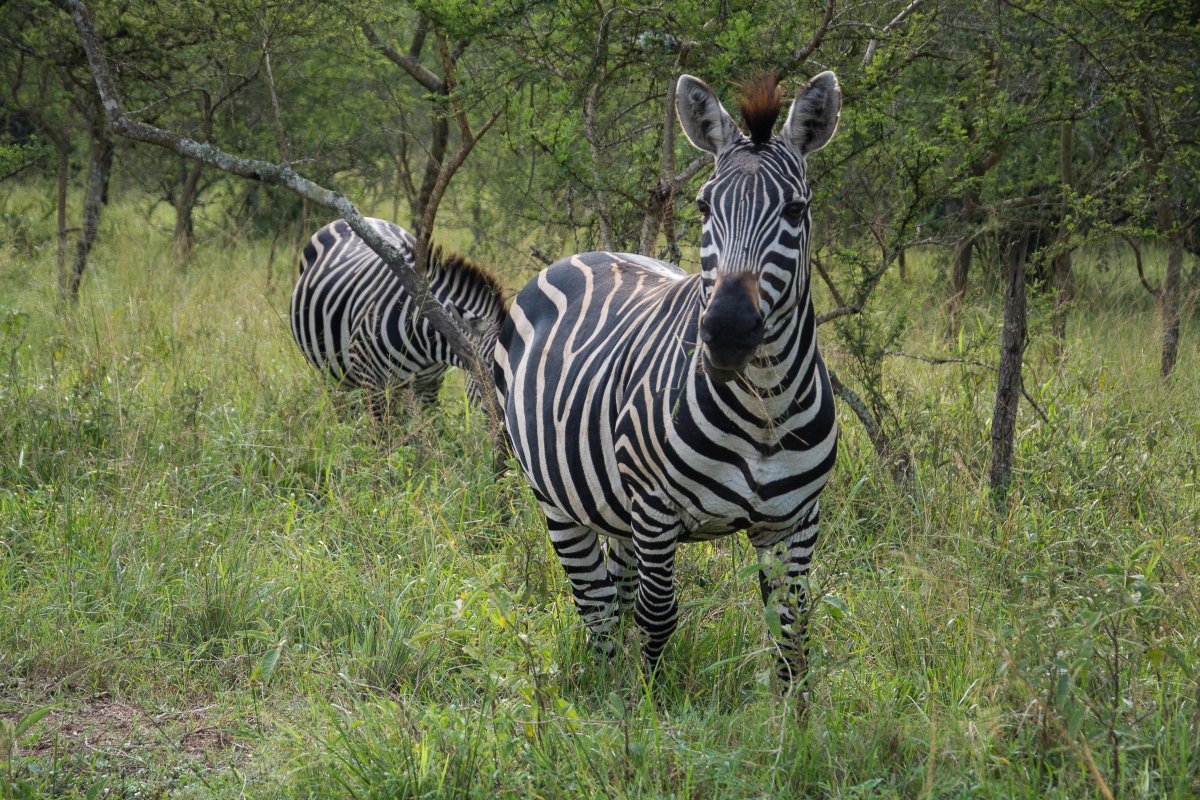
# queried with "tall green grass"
point(194, 528)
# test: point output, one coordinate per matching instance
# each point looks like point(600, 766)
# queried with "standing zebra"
point(355, 322)
point(650, 407)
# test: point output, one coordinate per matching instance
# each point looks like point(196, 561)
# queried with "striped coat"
point(648, 407)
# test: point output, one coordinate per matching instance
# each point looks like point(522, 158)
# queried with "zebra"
point(354, 321)
point(648, 407)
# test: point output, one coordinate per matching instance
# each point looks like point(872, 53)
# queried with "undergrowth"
point(197, 531)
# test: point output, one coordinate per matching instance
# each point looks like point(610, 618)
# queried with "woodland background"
point(218, 575)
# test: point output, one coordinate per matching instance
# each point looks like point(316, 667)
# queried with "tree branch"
point(419, 72)
point(833, 290)
point(840, 311)
point(899, 18)
point(1141, 270)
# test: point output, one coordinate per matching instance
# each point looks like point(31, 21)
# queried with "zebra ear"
point(814, 116)
point(705, 121)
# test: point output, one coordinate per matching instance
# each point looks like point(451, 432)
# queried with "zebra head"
point(754, 251)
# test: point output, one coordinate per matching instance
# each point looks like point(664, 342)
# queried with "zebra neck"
point(475, 295)
point(467, 288)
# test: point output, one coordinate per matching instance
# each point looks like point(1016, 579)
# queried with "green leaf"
point(266, 665)
point(1075, 720)
point(835, 605)
point(617, 705)
point(774, 624)
point(29, 720)
point(1062, 691)
point(96, 789)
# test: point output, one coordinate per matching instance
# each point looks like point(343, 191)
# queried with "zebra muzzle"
point(731, 329)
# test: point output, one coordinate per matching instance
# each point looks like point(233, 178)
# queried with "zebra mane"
point(760, 103)
point(454, 263)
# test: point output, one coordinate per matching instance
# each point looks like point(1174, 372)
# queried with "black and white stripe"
point(354, 321)
point(648, 407)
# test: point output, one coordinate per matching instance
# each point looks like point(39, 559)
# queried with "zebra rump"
point(354, 321)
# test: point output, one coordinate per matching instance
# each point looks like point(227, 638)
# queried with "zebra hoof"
point(603, 646)
point(652, 669)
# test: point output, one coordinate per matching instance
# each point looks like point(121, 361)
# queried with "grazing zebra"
point(649, 407)
point(354, 321)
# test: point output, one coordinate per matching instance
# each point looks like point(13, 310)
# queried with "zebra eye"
point(793, 212)
point(705, 209)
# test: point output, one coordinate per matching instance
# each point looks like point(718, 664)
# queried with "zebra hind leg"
point(426, 390)
point(782, 577)
point(579, 552)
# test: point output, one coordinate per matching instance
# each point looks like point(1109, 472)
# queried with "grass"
point(222, 579)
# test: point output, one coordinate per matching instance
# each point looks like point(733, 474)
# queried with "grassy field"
point(220, 579)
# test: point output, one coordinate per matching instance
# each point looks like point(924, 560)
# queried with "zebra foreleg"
point(656, 611)
point(783, 570)
point(579, 552)
point(622, 566)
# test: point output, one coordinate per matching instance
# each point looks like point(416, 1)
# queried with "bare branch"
point(857, 405)
point(1141, 270)
point(419, 72)
point(840, 311)
point(17, 170)
point(280, 134)
point(972, 363)
point(872, 45)
point(833, 290)
point(817, 37)
point(439, 188)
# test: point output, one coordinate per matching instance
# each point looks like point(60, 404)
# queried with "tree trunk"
point(592, 135)
point(1061, 276)
point(1008, 383)
point(1169, 302)
point(660, 195)
point(97, 185)
point(1062, 296)
point(962, 253)
point(64, 173)
point(433, 165)
point(962, 258)
point(184, 239)
point(958, 281)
